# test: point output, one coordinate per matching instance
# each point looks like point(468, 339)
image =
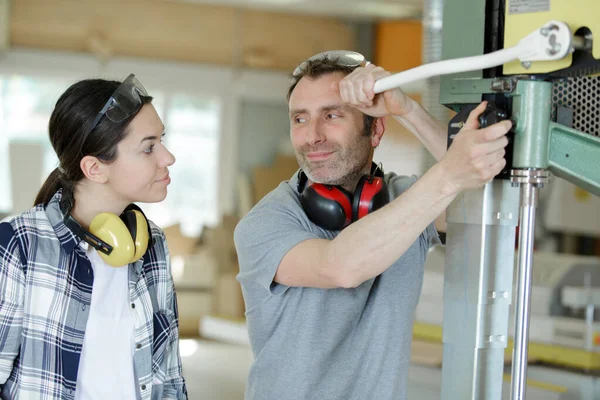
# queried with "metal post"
point(529, 195)
point(529, 180)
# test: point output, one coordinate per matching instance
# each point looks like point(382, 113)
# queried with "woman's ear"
point(94, 169)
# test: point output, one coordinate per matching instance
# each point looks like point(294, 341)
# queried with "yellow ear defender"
point(120, 240)
point(127, 235)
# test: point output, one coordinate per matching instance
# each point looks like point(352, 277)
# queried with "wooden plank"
point(282, 41)
point(175, 31)
point(154, 29)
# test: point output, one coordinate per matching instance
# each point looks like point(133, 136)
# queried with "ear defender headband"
point(333, 207)
point(119, 240)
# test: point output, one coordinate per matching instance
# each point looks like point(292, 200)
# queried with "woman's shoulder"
point(155, 230)
point(157, 235)
point(16, 230)
point(27, 219)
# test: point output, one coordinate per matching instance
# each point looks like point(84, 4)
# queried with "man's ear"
point(94, 169)
point(378, 129)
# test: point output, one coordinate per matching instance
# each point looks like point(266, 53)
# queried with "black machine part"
point(498, 109)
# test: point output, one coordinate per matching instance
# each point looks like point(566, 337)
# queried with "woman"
point(87, 302)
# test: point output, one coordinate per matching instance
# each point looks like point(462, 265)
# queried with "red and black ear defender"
point(119, 239)
point(333, 207)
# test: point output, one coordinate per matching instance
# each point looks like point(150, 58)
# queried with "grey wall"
point(264, 128)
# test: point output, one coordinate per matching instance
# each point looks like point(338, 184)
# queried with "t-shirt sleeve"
point(398, 185)
point(263, 237)
point(431, 235)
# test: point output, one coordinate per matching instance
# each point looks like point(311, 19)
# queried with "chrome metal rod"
point(528, 203)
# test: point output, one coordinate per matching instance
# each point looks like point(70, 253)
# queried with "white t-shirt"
point(106, 368)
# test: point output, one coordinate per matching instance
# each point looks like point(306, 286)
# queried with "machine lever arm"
point(552, 41)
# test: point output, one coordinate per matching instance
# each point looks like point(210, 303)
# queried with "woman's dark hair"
point(69, 133)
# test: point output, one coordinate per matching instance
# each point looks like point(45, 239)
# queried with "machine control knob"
point(491, 115)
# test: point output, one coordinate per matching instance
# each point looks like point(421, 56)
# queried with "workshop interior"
point(510, 303)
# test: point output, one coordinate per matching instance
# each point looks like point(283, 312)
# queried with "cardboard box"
point(193, 305)
point(178, 243)
point(267, 178)
point(219, 241)
point(229, 299)
point(204, 271)
point(195, 271)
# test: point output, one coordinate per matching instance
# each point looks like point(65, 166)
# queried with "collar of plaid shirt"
point(67, 238)
point(47, 285)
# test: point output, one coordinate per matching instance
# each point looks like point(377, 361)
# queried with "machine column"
point(477, 290)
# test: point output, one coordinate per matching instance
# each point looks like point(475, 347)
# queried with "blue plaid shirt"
point(45, 294)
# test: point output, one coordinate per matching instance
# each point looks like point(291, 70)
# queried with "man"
point(330, 312)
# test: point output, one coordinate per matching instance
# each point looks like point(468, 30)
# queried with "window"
point(193, 130)
point(25, 107)
point(192, 127)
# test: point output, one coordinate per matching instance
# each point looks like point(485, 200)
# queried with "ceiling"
point(347, 9)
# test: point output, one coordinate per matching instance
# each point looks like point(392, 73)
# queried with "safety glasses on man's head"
point(344, 58)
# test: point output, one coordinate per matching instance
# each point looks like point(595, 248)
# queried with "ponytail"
point(55, 181)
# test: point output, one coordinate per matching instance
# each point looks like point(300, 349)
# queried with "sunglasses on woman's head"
point(123, 103)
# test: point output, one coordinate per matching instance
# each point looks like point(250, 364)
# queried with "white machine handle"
point(552, 41)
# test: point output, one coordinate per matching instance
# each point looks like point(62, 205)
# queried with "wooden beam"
point(4, 24)
point(283, 40)
point(175, 31)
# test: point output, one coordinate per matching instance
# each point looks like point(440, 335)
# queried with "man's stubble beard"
point(345, 170)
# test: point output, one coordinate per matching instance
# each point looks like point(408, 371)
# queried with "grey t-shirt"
point(324, 344)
